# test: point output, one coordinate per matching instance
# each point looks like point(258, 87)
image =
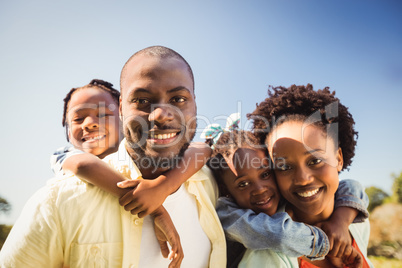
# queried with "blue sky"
point(236, 49)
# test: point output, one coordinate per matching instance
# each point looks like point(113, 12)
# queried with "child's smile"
point(251, 182)
point(93, 124)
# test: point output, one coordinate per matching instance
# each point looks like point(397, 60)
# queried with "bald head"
point(158, 52)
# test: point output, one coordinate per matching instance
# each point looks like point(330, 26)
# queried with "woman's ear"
point(339, 157)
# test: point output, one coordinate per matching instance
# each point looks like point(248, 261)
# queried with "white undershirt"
point(182, 208)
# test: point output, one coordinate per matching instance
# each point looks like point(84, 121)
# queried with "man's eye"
point(141, 101)
point(178, 99)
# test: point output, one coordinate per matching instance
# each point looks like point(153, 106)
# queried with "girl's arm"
point(93, 170)
point(278, 233)
point(351, 204)
point(150, 194)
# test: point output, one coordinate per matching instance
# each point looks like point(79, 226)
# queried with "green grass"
point(380, 262)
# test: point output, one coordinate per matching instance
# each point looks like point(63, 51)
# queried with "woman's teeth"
point(162, 136)
point(309, 193)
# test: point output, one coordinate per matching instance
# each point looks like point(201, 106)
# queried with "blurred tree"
point(376, 197)
point(397, 188)
point(5, 207)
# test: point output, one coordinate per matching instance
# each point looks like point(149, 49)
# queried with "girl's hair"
point(106, 86)
point(224, 148)
point(95, 83)
point(302, 103)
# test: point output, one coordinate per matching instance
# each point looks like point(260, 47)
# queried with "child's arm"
point(351, 204)
point(166, 233)
point(150, 194)
point(95, 171)
point(278, 233)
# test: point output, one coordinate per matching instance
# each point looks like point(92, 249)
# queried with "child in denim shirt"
point(251, 209)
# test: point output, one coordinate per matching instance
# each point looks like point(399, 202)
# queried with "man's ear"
point(120, 108)
point(339, 157)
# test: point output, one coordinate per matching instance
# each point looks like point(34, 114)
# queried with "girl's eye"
point(266, 174)
point(77, 119)
point(178, 99)
point(243, 184)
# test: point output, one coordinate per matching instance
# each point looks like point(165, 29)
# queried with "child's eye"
point(78, 120)
point(243, 184)
point(266, 174)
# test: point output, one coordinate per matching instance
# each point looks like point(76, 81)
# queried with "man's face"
point(158, 108)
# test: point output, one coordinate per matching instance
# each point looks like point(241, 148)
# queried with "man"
point(73, 224)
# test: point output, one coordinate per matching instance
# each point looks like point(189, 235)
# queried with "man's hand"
point(166, 233)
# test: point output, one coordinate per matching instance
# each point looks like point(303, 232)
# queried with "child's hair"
point(101, 84)
point(225, 147)
point(303, 103)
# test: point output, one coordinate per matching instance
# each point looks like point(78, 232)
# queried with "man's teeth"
point(309, 193)
point(162, 136)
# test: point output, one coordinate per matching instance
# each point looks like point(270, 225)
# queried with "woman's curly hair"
point(321, 106)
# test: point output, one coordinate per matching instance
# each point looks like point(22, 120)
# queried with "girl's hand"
point(145, 198)
point(339, 237)
point(166, 233)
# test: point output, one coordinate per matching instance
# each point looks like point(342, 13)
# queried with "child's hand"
point(145, 198)
point(166, 232)
point(339, 237)
point(354, 260)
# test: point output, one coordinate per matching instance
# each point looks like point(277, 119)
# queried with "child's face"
point(251, 182)
point(93, 121)
point(306, 163)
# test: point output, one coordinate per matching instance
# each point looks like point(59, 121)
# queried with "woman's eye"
point(283, 167)
point(243, 184)
point(315, 161)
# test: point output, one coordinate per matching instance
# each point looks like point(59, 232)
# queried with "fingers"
point(164, 248)
point(128, 183)
point(353, 260)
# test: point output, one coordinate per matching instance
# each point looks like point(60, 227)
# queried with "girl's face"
point(306, 163)
point(93, 121)
point(251, 182)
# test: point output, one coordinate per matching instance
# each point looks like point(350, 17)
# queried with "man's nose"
point(161, 114)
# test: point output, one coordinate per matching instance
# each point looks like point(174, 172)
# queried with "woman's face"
point(306, 164)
